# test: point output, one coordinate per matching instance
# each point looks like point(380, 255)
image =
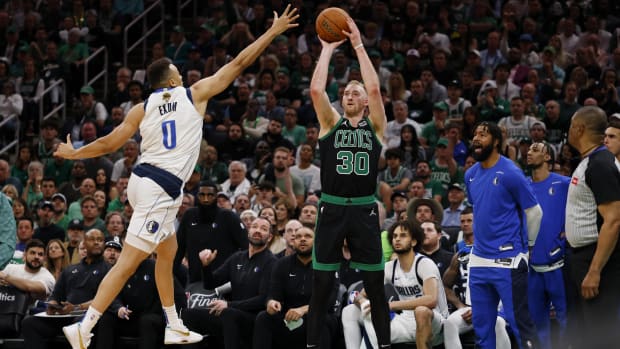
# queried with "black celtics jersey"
point(350, 159)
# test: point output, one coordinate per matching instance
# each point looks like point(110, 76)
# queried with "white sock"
point(90, 320)
point(172, 316)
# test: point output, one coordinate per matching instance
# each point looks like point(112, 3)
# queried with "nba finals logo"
point(200, 300)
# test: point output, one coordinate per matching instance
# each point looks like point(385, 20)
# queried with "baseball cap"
point(539, 123)
point(283, 70)
point(114, 242)
point(277, 115)
point(59, 196)
point(454, 83)
point(248, 213)
point(526, 37)
point(280, 38)
point(87, 89)
point(443, 142)
point(476, 52)
point(455, 186)
point(441, 106)
point(398, 193)
point(549, 49)
point(44, 203)
point(223, 195)
point(76, 224)
point(488, 85)
point(178, 29)
point(413, 52)
point(208, 27)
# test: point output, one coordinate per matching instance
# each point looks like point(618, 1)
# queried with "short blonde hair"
point(358, 83)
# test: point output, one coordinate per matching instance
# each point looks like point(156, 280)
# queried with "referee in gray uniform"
point(592, 228)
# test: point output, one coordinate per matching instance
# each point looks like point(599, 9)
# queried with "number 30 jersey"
point(171, 131)
point(350, 159)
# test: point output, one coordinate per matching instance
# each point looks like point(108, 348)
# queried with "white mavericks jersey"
point(407, 285)
point(171, 132)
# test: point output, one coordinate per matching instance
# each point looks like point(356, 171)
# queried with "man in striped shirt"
point(592, 227)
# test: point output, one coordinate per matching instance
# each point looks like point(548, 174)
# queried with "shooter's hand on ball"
point(354, 34)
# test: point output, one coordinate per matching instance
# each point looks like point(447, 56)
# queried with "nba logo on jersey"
point(152, 227)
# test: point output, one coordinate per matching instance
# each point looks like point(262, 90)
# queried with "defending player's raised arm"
point(371, 80)
point(218, 82)
point(327, 115)
point(107, 144)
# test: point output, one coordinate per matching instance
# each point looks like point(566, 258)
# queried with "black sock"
point(321, 288)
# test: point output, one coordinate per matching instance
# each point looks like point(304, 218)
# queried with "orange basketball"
point(330, 23)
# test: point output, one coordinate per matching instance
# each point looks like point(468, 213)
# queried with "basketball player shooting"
point(350, 146)
point(170, 123)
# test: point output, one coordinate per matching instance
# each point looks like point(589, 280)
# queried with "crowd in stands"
point(444, 66)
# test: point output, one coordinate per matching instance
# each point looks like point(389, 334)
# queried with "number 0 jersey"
point(171, 131)
point(350, 159)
